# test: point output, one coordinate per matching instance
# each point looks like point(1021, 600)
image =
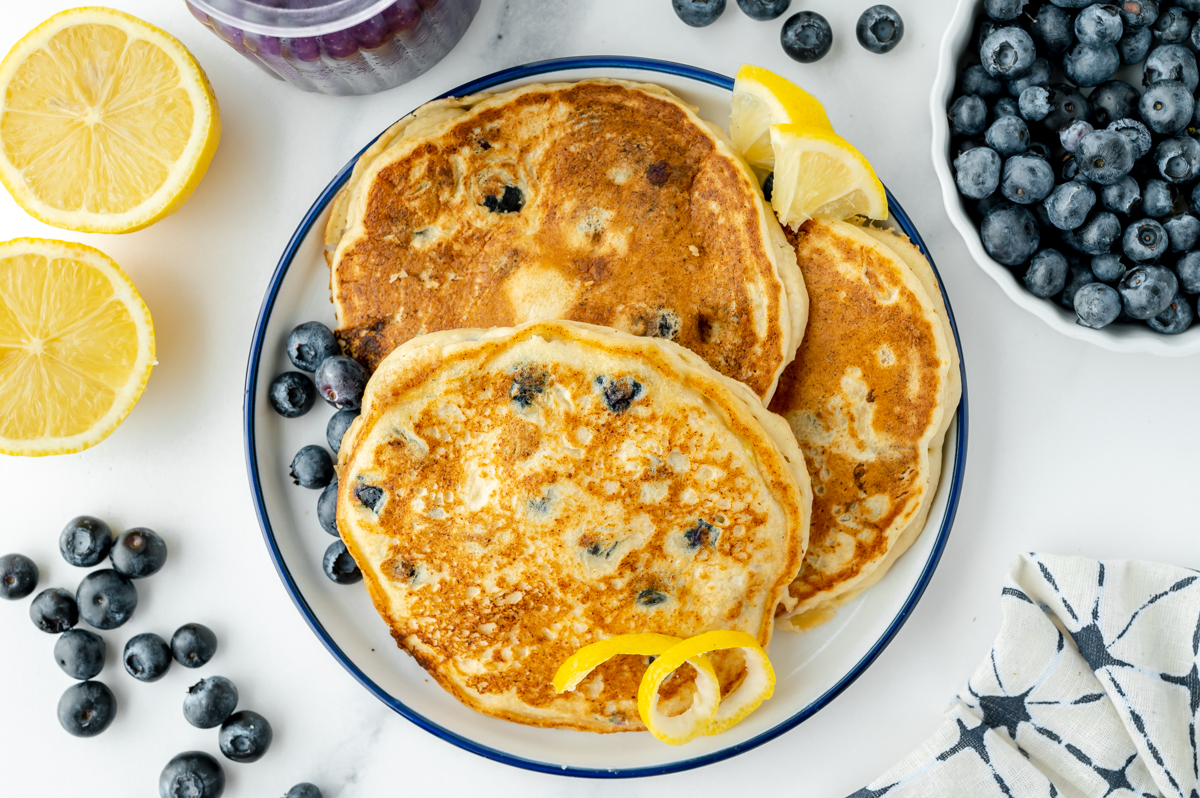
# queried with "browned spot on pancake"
point(519, 439)
point(849, 322)
point(619, 188)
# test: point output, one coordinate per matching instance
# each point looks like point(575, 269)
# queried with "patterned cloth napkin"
point(1091, 689)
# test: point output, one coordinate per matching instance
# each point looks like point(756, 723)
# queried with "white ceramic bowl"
point(1117, 337)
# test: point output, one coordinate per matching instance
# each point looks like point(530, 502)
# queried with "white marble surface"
point(1073, 450)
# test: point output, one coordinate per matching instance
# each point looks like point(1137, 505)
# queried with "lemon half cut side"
point(76, 346)
point(761, 99)
point(107, 123)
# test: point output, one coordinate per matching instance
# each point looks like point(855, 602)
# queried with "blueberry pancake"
point(605, 202)
point(512, 495)
point(869, 397)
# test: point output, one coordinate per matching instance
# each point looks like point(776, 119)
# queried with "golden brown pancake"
point(869, 397)
point(606, 202)
point(512, 495)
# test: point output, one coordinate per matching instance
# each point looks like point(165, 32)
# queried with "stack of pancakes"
point(577, 305)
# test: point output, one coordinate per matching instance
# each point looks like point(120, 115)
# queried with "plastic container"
point(339, 46)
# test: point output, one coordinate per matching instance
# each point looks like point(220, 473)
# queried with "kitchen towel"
point(1091, 689)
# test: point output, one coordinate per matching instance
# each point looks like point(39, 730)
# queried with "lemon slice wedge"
point(646, 644)
point(76, 346)
point(761, 99)
point(107, 123)
point(820, 174)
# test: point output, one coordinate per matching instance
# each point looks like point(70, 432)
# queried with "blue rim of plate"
point(252, 370)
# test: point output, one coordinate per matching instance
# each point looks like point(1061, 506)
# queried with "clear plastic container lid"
point(292, 18)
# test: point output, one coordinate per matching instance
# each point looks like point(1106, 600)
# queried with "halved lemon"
point(761, 99)
point(107, 123)
point(76, 346)
point(820, 174)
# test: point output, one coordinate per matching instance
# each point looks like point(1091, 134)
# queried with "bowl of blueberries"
point(1065, 140)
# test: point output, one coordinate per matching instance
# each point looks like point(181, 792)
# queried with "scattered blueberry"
point(1171, 62)
point(1090, 66)
point(147, 657)
point(1098, 25)
point(1138, 13)
point(1183, 230)
point(1147, 290)
point(1010, 234)
point(87, 708)
point(1069, 204)
point(764, 9)
point(1047, 273)
point(54, 610)
point(335, 430)
point(1134, 45)
point(1026, 179)
point(292, 394)
point(85, 541)
point(1188, 270)
point(193, 774)
point(193, 645)
point(245, 736)
point(880, 27)
point(1008, 53)
point(18, 576)
point(341, 382)
point(327, 508)
point(1158, 198)
point(1137, 133)
point(1178, 159)
point(79, 653)
point(977, 172)
point(806, 37)
point(1072, 134)
point(106, 599)
point(303, 790)
point(1167, 107)
point(1171, 27)
point(1113, 100)
point(1122, 196)
point(1096, 235)
point(209, 702)
point(1034, 103)
point(1052, 29)
point(1105, 156)
point(1003, 10)
point(1097, 305)
point(978, 81)
point(339, 565)
point(309, 344)
point(1108, 267)
point(312, 467)
point(1175, 319)
point(138, 553)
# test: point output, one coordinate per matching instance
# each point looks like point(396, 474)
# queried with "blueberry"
point(1193, 39)
point(327, 508)
point(312, 467)
point(85, 541)
point(1121, 197)
point(1113, 100)
point(292, 394)
point(1188, 270)
point(1038, 209)
point(880, 28)
point(1008, 135)
point(1026, 179)
point(87, 708)
point(1070, 169)
point(1148, 290)
point(1008, 53)
point(1145, 239)
point(1098, 25)
point(1003, 10)
point(976, 80)
point(54, 610)
point(1096, 235)
point(309, 344)
point(341, 381)
point(245, 736)
point(1066, 105)
point(1175, 319)
point(147, 657)
point(984, 28)
point(138, 553)
point(1158, 198)
point(1136, 132)
point(1006, 106)
point(1105, 156)
point(1069, 204)
point(1072, 134)
point(1171, 27)
point(763, 9)
point(1184, 231)
point(1108, 267)
point(1009, 234)
point(335, 430)
point(1090, 66)
point(1047, 273)
point(79, 653)
point(1097, 305)
point(106, 599)
point(209, 702)
point(339, 565)
point(193, 645)
point(1034, 103)
point(370, 497)
point(512, 199)
point(977, 172)
point(303, 790)
point(1178, 159)
point(1134, 45)
point(1039, 149)
point(1052, 30)
point(193, 774)
point(1138, 13)
point(18, 576)
point(1171, 62)
point(1079, 277)
point(806, 37)
point(1167, 107)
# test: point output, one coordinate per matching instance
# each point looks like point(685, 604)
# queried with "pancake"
point(869, 397)
point(512, 495)
point(606, 202)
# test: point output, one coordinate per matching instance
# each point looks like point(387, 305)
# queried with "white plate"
point(1117, 337)
point(812, 668)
